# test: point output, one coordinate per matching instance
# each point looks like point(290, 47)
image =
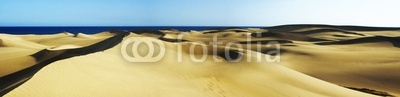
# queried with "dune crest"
point(313, 61)
point(170, 78)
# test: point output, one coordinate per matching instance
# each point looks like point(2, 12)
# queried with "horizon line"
point(214, 25)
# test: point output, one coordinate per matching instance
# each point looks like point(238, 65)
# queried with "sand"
point(311, 64)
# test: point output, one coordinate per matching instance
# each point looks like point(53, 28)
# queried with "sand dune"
point(114, 76)
point(20, 69)
point(289, 36)
point(315, 61)
point(393, 40)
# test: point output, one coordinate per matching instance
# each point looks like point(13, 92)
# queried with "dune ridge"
point(45, 57)
point(316, 61)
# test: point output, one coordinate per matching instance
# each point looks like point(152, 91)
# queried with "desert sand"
point(314, 61)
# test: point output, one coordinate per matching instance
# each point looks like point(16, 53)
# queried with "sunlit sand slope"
point(313, 61)
point(108, 74)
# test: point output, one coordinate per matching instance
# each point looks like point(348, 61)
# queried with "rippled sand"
point(312, 61)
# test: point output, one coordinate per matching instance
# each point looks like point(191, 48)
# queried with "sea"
point(97, 29)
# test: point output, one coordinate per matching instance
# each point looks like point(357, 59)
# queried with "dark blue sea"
point(97, 29)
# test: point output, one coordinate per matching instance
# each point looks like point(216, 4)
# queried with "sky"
point(198, 12)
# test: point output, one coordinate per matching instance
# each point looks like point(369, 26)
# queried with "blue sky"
point(198, 12)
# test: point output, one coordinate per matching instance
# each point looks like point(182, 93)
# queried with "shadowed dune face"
point(355, 56)
point(11, 80)
point(313, 60)
point(380, 93)
point(1, 43)
point(395, 41)
point(289, 36)
point(329, 30)
point(150, 33)
point(231, 55)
